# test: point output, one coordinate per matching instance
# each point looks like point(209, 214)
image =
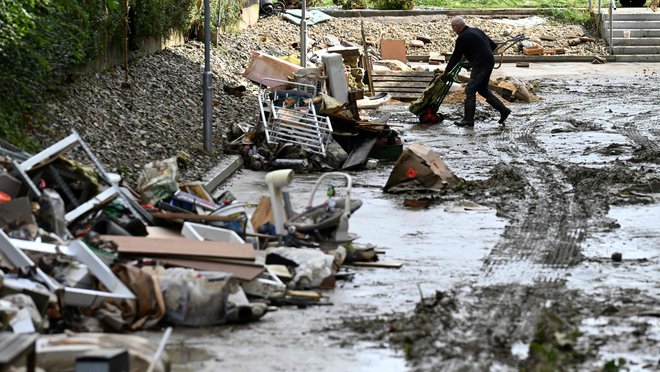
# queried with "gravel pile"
point(158, 114)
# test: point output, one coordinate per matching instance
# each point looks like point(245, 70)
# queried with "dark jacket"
point(477, 48)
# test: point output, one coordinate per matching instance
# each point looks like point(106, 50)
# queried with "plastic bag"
point(194, 298)
point(157, 181)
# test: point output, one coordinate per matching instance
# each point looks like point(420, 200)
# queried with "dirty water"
point(528, 282)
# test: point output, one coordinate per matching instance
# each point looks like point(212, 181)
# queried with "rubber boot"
point(499, 106)
point(468, 118)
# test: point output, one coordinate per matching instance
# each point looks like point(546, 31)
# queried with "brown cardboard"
point(419, 167)
point(393, 49)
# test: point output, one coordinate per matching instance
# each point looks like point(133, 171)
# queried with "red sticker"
point(411, 173)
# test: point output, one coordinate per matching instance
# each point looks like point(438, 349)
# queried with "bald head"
point(458, 24)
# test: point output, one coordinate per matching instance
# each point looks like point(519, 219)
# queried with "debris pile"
point(82, 251)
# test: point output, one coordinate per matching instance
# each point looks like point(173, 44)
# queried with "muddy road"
point(528, 280)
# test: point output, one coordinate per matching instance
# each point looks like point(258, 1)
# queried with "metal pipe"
point(303, 35)
point(207, 81)
point(611, 29)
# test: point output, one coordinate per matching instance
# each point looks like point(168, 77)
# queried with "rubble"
point(121, 259)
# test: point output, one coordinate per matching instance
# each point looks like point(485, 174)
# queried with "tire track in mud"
point(522, 274)
point(647, 149)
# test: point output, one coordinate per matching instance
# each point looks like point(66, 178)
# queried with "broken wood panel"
point(395, 89)
point(245, 272)
point(402, 84)
point(404, 73)
point(181, 247)
point(393, 78)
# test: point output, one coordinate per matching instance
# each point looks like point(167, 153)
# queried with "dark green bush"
point(394, 4)
point(41, 39)
point(350, 4)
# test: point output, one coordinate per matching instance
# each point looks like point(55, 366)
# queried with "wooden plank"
point(400, 96)
point(402, 84)
point(423, 79)
point(393, 91)
point(263, 213)
point(399, 84)
point(393, 49)
point(307, 295)
point(180, 247)
point(245, 272)
point(381, 264)
point(366, 59)
point(405, 73)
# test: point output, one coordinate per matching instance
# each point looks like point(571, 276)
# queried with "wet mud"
point(561, 164)
point(530, 280)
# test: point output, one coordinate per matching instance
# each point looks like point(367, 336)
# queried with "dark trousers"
point(478, 83)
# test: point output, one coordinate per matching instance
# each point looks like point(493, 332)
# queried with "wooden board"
point(382, 264)
point(263, 213)
point(402, 85)
point(307, 295)
point(181, 247)
point(245, 272)
point(393, 49)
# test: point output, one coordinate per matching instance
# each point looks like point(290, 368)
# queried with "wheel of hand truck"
point(431, 117)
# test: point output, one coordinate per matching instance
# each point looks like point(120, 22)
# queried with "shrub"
point(394, 4)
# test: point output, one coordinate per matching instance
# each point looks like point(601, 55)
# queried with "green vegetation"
point(388, 4)
point(40, 40)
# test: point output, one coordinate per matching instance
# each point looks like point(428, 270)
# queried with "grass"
point(488, 3)
point(566, 11)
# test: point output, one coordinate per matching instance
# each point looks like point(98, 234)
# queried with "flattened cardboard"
point(393, 49)
point(181, 247)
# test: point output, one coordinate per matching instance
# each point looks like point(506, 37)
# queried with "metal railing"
point(610, 11)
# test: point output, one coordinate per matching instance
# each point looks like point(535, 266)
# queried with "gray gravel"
point(159, 113)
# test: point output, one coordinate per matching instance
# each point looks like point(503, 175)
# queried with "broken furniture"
point(289, 118)
point(12, 249)
point(14, 347)
point(112, 191)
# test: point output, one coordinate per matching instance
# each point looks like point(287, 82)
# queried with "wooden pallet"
point(402, 85)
